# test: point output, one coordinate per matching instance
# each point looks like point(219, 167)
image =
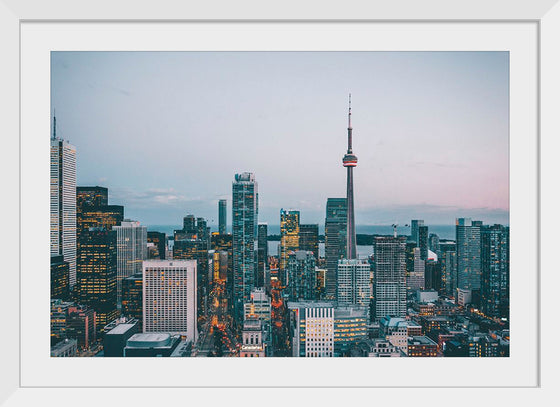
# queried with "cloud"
point(152, 198)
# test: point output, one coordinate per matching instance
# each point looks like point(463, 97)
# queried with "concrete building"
point(389, 276)
point(169, 297)
point(353, 283)
point(252, 344)
point(416, 277)
point(301, 279)
point(65, 348)
point(260, 307)
point(152, 345)
point(426, 295)
point(311, 328)
point(421, 346)
point(350, 327)
point(117, 334)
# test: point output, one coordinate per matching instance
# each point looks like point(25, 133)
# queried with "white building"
point(312, 328)
point(389, 276)
point(252, 339)
point(353, 282)
point(63, 202)
point(131, 251)
point(169, 297)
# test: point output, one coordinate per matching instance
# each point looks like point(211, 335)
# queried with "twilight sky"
point(167, 131)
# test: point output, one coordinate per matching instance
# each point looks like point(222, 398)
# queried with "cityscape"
point(244, 287)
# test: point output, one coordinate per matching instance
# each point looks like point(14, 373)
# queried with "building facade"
point(389, 276)
point(222, 216)
point(312, 329)
point(468, 254)
point(353, 283)
point(335, 241)
point(301, 282)
point(309, 239)
point(495, 271)
point(289, 240)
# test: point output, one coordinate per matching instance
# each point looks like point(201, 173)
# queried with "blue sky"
point(167, 131)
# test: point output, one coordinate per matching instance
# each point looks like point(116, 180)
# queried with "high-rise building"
point(350, 327)
point(433, 243)
point(131, 251)
point(416, 277)
point(260, 307)
point(389, 277)
point(350, 161)
point(97, 273)
point(335, 241)
point(82, 325)
point(262, 254)
point(309, 239)
point(301, 283)
point(468, 254)
point(87, 197)
point(423, 242)
point(222, 216)
point(289, 239)
point(169, 297)
point(414, 229)
point(495, 271)
point(159, 241)
point(245, 200)
point(353, 283)
point(60, 272)
point(63, 202)
point(448, 259)
point(131, 297)
point(311, 328)
point(99, 217)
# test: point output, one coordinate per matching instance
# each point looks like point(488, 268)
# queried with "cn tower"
point(350, 161)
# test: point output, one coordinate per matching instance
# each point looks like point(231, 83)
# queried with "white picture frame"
point(545, 15)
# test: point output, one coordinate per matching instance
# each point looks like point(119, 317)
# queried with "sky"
point(166, 132)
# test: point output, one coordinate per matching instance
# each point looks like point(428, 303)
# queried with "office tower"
point(389, 277)
point(159, 241)
point(423, 242)
point(335, 241)
point(433, 243)
point(169, 297)
point(63, 202)
point(245, 220)
point(252, 344)
point(350, 161)
point(468, 254)
point(59, 319)
point(87, 197)
point(82, 325)
point(189, 224)
point(309, 239)
point(97, 273)
point(224, 243)
point(311, 328)
point(262, 254)
point(289, 239)
point(350, 327)
point(416, 277)
point(495, 271)
point(302, 280)
point(60, 273)
point(432, 275)
point(222, 216)
point(131, 251)
point(99, 217)
point(414, 229)
point(260, 307)
point(448, 258)
point(131, 297)
point(353, 283)
point(203, 231)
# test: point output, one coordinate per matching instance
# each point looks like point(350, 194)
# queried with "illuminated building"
point(59, 319)
point(414, 229)
point(301, 276)
point(100, 217)
point(349, 327)
point(222, 216)
point(159, 241)
point(416, 277)
point(87, 197)
point(224, 243)
point(131, 297)
point(421, 346)
point(81, 325)
point(312, 328)
point(398, 330)
point(321, 273)
point(382, 348)
point(252, 339)
point(448, 268)
point(63, 202)
point(468, 254)
point(482, 346)
point(289, 239)
point(131, 251)
point(262, 254)
point(60, 273)
point(309, 239)
point(97, 273)
point(389, 277)
point(169, 297)
point(495, 271)
point(244, 220)
point(203, 232)
point(335, 241)
point(260, 307)
point(353, 283)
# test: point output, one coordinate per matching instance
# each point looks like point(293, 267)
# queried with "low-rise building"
point(65, 348)
point(151, 345)
point(421, 346)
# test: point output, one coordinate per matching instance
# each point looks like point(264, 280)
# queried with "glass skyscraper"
point(468, 254)
point(389, 276)
point(289, 239)
point(222, 216)
point(495, 271)
point(244, 220)
point(335, 241)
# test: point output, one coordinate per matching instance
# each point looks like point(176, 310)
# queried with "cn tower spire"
point(350, 161)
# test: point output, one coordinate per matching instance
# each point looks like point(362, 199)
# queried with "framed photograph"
point(235, 62)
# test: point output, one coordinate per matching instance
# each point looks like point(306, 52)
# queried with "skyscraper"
point(131, 251)
point(244, 220)
point(335, 241)
point(353, 283)
point(262, 254)
point(350, 161)
point(309, 239)
point(222, 216)
point(423, 242)
point(414, 227)
point(302, 279)
point(99, 217)
point(63, 202)
point(169, 297)
point(87, 197)
point(389, 277)
point(495, 271)
point(159, 241)
point(468, 254)
point(289, 239)
point(59, 278)
point(131, 296)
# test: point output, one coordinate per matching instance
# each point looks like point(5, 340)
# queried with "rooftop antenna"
point(349, 123)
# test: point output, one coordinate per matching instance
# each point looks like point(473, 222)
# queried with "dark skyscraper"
point(159, 240)
point(468, 254)
point(335, 241)
point(350, 161)
point(423, 242)
point(222, 216)
point(91, 196)
point(262, 253)
point(495, 271)
point(289, 239)
point(414, 225)
point(132, 297)
point(309, 239)
point(60, 274)
point(99, 217)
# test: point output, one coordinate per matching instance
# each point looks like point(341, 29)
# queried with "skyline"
point(462, 155)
